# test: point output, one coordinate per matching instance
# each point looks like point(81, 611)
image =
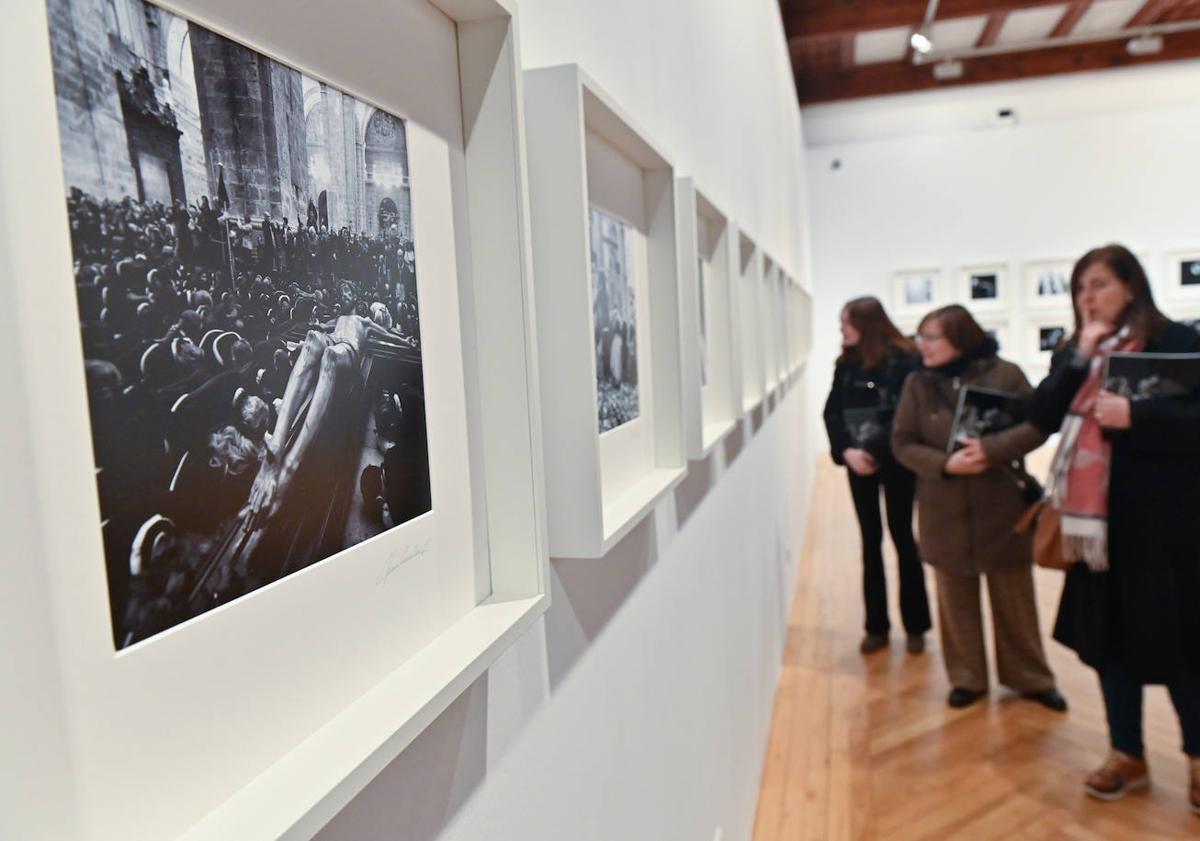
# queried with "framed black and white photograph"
point(711, 391)
point(609, 268)
point(1050, 338)
point(916, 292)
point(1048, 284)
point(1183, 274)
point(246, 279)
point(614, 320)
point(160, 150)
point(1042, 336)
point(984, 288)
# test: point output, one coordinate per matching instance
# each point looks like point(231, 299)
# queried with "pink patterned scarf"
point(1079, 473)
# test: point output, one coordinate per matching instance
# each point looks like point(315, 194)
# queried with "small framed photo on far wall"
point(916, 292)
point(984, 288)
point(1043, 336)
point(1183, 274)
point(1048, 284)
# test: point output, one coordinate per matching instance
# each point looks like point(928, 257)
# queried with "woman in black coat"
point(876, 359)
point(1131, 604)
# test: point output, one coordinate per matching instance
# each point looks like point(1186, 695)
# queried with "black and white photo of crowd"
point(614, 320)
point(983, 412)
point(246, 284)
point(1141, 376)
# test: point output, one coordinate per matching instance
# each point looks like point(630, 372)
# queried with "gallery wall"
point(938, 179)
point(639, 707)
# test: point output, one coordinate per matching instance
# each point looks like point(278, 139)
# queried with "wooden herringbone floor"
point(867, 748)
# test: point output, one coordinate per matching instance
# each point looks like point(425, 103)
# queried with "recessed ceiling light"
point(1144, 45)
point(948, 70)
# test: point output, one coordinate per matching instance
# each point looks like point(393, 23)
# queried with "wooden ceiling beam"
point(900, 77)
point(1151, 12)
point(1075, 11)
point(991, 30)
point(808, 18)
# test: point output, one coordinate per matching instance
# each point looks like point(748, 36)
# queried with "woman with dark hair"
point(1125, 480)
point(968, 504)
point(876, 358)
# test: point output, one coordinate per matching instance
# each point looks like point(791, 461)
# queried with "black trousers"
point(899, 487)
point(1123, 703)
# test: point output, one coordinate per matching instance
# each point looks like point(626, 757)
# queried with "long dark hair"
point(959, 327)
point(878, 336)
point(1143, 318)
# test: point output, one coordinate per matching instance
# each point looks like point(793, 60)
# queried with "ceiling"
point(843, 49)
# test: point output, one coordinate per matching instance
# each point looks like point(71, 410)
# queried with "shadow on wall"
point(587, 592)
point(419, 794)
point(420, 791)
point(701, 477)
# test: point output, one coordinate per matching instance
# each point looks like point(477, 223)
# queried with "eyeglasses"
point(929, 338)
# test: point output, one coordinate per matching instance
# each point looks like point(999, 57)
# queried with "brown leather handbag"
point(1045, 521)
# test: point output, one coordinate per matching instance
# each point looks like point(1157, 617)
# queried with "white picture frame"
point(1181, 274)
point(312, 727)
point(804, 309)
point(768, 300)
point(780, 316)
point(1001, 328)
point(585, 151)
point(751, 346)
point(1048, 284)
point(707, 320)
point(984, 288)
point(916, 291)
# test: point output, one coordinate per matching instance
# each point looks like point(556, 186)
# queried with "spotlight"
point(920, 40)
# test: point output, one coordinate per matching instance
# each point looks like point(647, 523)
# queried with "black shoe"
point(960, 697)
point(1051, 699)
point(872, 643)
point(915, 644)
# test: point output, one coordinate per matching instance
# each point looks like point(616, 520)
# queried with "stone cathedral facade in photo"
point(159, 109)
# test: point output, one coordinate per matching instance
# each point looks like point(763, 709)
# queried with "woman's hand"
point(971, 460)
point(1093, 333)
point(1112, 411)
point(860, 461)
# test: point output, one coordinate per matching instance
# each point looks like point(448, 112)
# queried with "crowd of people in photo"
point(1115, 512)
point(191, 323)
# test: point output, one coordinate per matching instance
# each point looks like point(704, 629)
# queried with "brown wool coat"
point(966, 522)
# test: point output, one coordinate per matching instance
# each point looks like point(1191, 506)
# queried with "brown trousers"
point(1020, 658)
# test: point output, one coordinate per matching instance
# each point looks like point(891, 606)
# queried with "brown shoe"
point(1194, 780)
point(1119, 775)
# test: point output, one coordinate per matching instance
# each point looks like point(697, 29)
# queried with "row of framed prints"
point(1043, 285)
point(692, 323)
point(323, 344)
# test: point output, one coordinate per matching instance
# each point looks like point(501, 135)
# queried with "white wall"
point(930, 179)
point(640, 707)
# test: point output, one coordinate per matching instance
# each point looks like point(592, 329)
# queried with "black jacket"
point(855, 388)
point(1144, 612)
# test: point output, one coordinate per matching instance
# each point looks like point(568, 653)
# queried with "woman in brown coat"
point(967, 505)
